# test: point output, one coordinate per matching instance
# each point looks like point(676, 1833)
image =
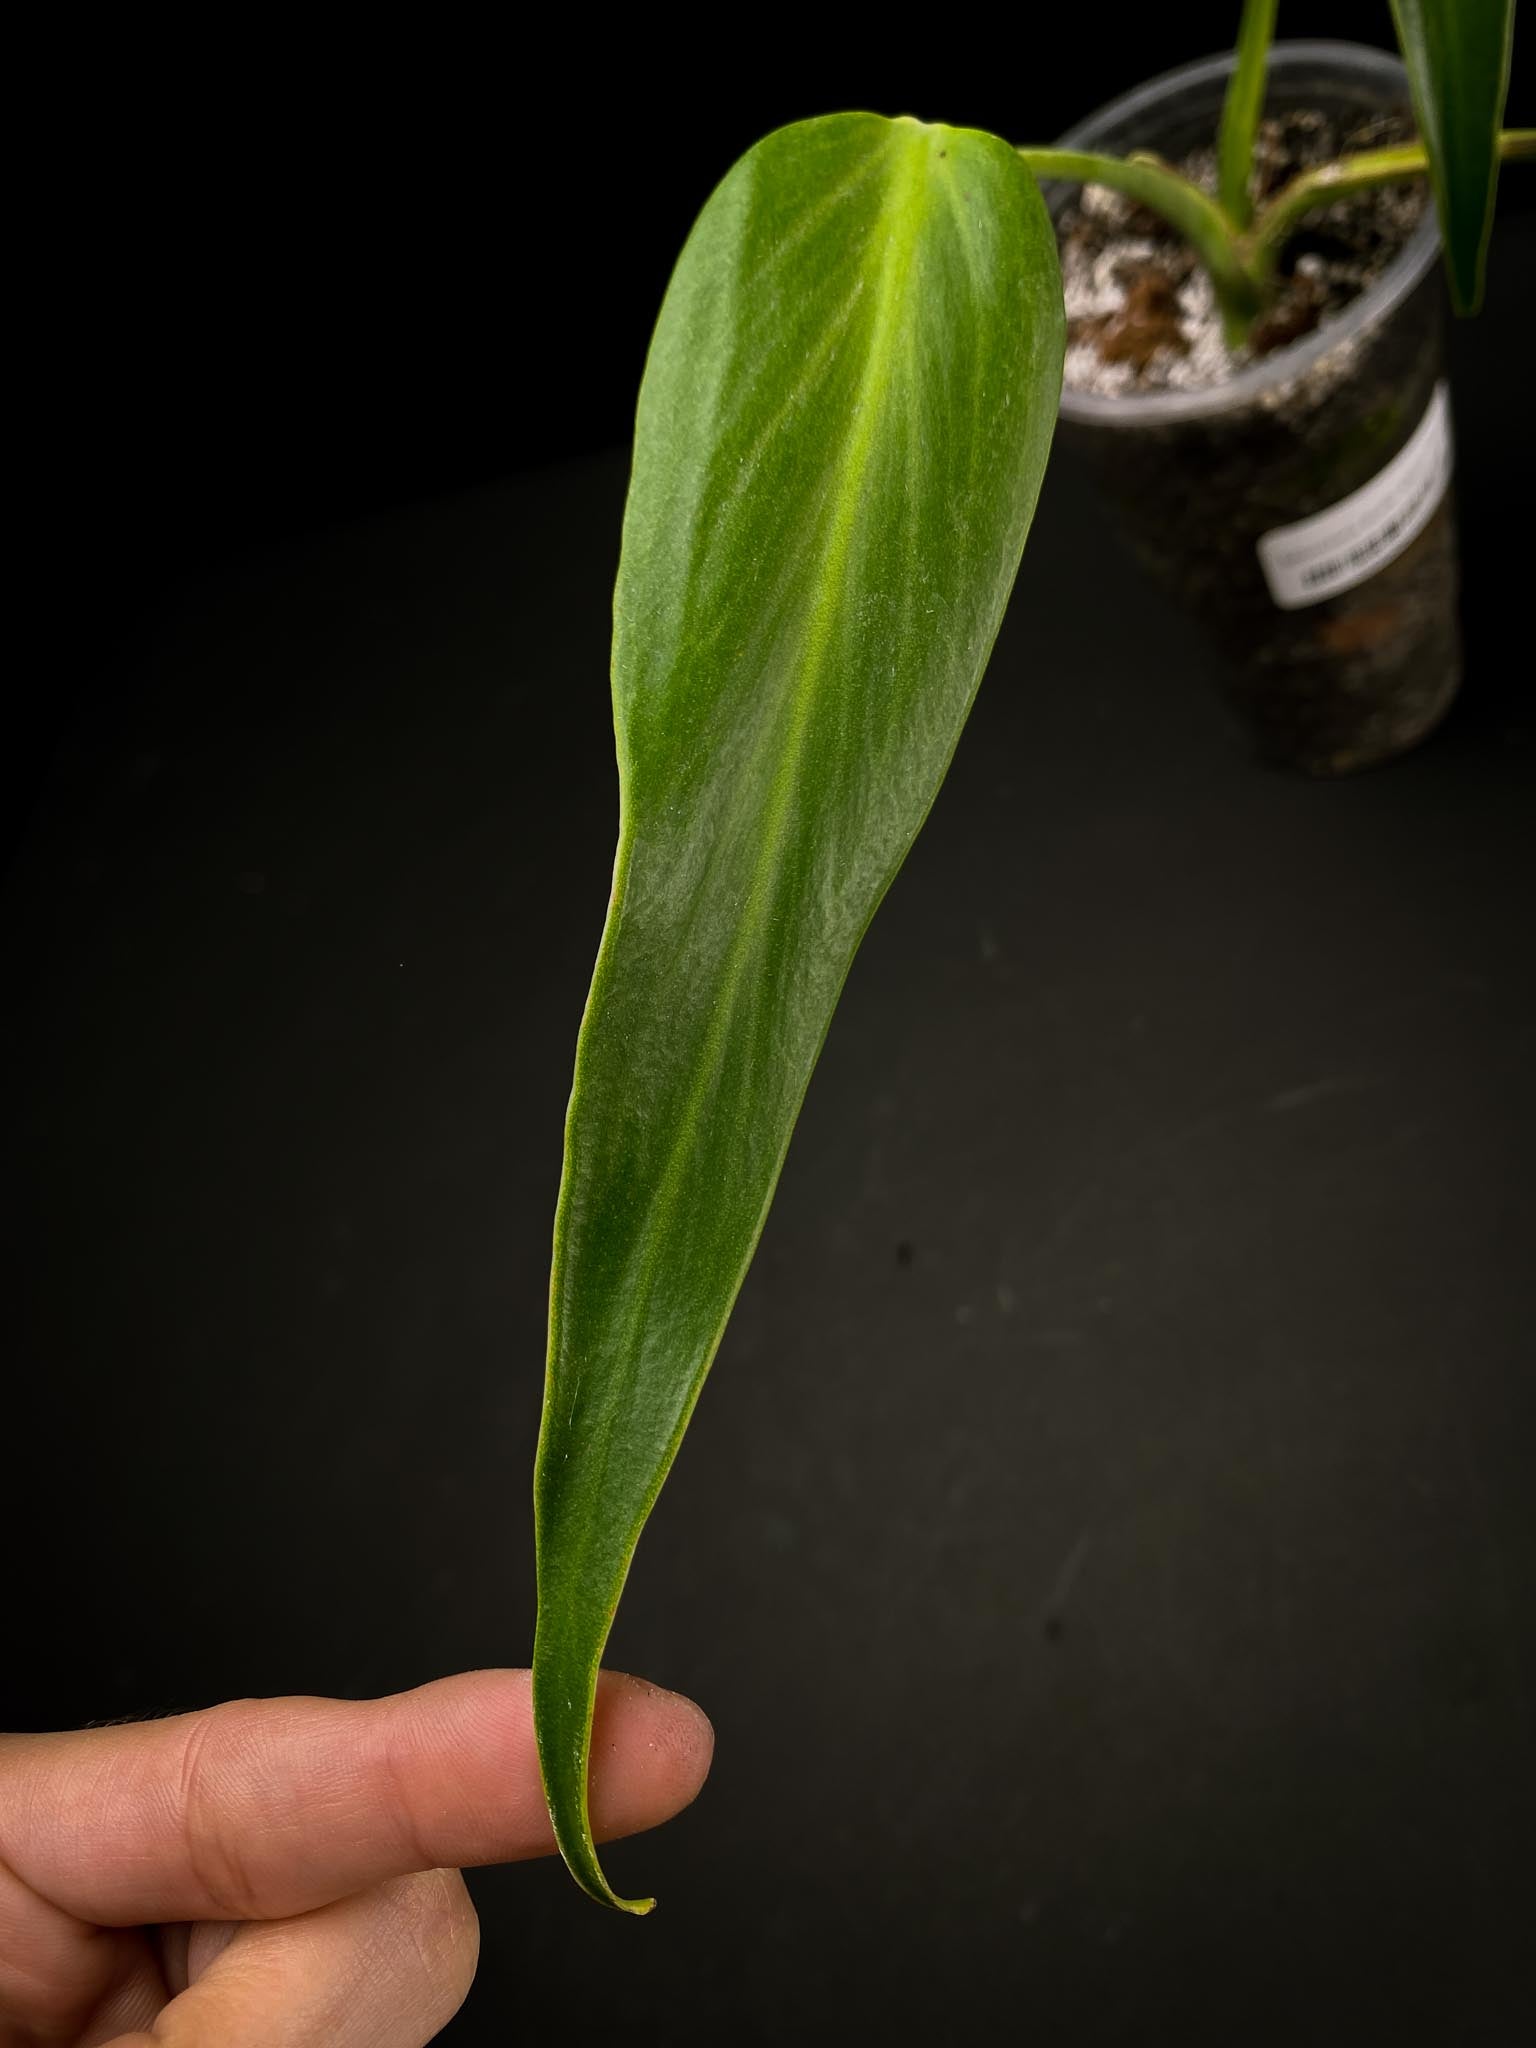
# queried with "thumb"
point(262, 1808)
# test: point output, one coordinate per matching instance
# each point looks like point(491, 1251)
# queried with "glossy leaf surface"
point(1457, 53)
point(843, 425)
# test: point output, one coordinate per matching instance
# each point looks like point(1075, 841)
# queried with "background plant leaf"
point(845, 417)
point(1457, 53)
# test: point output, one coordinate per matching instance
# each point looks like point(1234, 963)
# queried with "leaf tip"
point(588, 1873)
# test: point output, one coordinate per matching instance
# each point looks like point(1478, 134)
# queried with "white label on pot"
point(1336, 549)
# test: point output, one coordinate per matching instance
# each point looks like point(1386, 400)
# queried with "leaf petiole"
point(1192, 213)
point(1241, 109)
point(1321, 187)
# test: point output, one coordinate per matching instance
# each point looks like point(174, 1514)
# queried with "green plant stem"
point(1241, 109)
point(1242, 266)
point(1321, 187)
point(1190, 212)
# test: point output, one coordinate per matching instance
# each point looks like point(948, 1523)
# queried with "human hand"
point(284, 1873)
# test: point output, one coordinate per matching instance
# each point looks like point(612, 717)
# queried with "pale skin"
point(285, 1873)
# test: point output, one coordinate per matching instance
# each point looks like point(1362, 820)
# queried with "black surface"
point(1106, 1545)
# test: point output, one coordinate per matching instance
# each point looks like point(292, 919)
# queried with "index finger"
point(262, 1808)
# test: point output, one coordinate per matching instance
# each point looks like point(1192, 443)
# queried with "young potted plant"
point(842, 430)
point(1271, 423)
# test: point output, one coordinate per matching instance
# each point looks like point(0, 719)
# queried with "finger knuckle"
point(215, 1744)
point(437, 1927)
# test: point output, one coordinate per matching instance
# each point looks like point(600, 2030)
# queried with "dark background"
point(1106, 1548)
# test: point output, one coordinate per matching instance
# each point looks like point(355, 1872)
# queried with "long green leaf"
point(1457, 53)
point(843, 425)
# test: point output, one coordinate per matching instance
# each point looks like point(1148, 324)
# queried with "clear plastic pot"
point(1359, 653)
